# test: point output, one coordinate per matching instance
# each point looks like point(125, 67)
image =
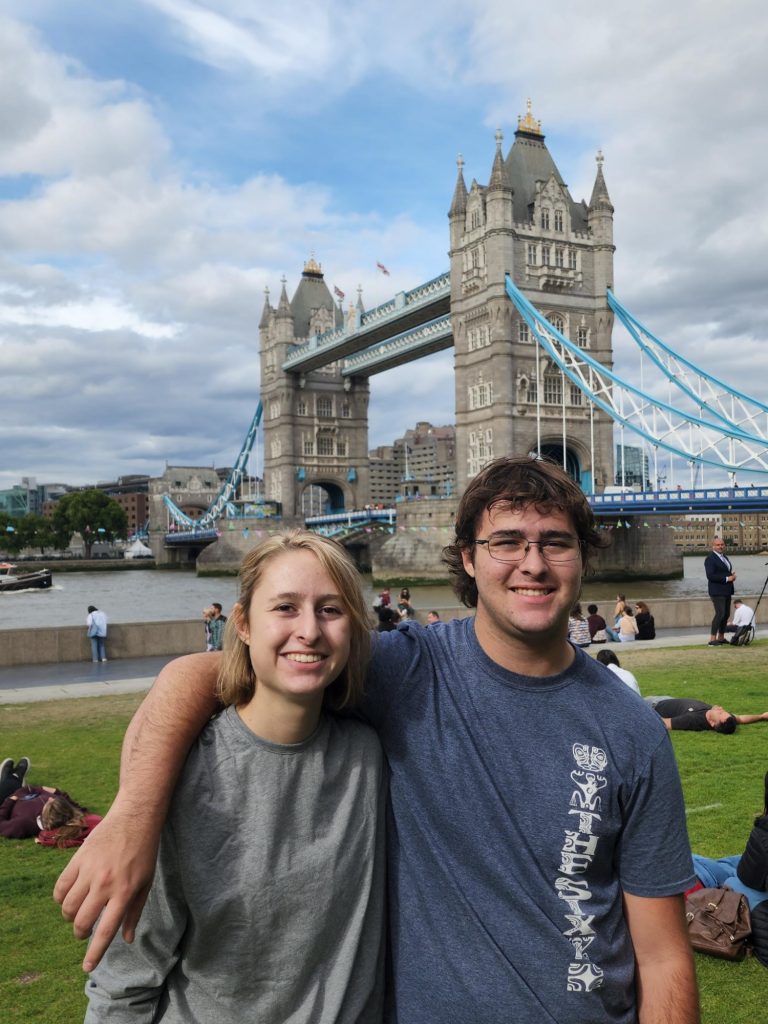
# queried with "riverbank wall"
point(53, 644)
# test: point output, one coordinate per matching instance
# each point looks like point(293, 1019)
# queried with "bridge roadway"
point(404, 313)
point(682, 502)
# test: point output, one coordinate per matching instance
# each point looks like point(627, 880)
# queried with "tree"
point(9, 534)
point(92, 514)
point(34, 531)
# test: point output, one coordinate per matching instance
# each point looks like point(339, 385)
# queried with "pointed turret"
point(600, 198)
point(459, 201)
point(359, 304)
point(498, 178)
point(284, 306)
point(498, 195)
point(266, 314)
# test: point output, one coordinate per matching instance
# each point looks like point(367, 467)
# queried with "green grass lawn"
point(75, 745)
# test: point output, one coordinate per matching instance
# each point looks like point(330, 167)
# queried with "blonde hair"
point(237, 682)
point(64, 817)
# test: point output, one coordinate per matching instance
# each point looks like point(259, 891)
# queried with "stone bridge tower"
point(560, 253)
point(315, 424)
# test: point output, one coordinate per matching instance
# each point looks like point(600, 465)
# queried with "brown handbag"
point(719, 922)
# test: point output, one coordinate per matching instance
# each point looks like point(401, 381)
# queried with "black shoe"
point(22, 767)
point(6, 769)
point(713, 643)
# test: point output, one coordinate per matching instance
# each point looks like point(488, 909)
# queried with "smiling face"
point(298, 631)
point(523, 607)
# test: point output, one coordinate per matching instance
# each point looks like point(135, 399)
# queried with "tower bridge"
point(528, 306)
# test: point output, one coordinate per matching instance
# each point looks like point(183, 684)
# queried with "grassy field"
point(75, 744)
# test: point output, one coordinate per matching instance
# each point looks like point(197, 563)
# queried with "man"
point(720, 580)
point(686, 713)
point(537, 842)
point(432, 617)
point(216, 625)
point(609, 659)
point(742, 616)
point(96, 622)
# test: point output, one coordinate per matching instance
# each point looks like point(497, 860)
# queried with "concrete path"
point(24, 684)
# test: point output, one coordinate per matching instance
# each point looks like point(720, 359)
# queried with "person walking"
point(720, 581)
point(215, 627)
point(96, 622)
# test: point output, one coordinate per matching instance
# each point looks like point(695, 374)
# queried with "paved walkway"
point(28, 683)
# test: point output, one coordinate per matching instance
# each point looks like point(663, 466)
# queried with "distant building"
point(421, 463)
point(632, 468)
point(742, 531)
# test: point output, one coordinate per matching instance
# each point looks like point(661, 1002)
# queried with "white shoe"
point(103, 659)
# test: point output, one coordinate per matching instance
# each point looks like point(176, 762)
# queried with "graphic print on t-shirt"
point(576, 855)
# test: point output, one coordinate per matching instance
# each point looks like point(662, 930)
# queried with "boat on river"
point(12, 578)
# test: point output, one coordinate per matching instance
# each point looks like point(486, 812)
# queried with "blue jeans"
point(715, 873)
point(98, 648)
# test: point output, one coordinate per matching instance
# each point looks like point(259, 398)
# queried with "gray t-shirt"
point(268, 900)
point(521, 810)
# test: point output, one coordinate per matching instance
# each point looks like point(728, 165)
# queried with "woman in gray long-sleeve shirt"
point(268, 900)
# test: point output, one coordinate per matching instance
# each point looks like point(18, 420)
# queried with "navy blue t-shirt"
point(520, 808)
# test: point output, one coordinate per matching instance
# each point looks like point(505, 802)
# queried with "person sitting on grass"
point(690, 715)
point(609, 659)
point(627, 626)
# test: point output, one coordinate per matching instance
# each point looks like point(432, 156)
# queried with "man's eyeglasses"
point(514, 549)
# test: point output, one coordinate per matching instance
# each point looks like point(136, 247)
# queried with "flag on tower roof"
point(338, 293)
point(382, 268)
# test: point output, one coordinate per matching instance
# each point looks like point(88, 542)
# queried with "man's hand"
point(111, 875)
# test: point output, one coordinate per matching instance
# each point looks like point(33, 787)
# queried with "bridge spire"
point(284, 310)
point(267, 311)
point(459, 201)
point(498, 179)
point(600, 198)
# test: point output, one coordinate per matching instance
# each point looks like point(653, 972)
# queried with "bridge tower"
point(560, 254)
point(315, 424)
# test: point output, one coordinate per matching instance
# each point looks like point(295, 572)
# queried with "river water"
point(154, 595)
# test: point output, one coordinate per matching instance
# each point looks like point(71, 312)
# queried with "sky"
point(162, 162)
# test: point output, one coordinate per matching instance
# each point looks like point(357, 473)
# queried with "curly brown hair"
point(516, 483)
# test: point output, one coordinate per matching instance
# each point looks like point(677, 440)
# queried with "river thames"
point(154, 595)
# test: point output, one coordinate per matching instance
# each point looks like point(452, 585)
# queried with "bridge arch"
point(576, 462)
point(324, 492)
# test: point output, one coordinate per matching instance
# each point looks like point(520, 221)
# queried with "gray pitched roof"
point(530, 161)
point(312, 293)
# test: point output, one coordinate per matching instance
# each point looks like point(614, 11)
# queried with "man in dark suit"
point(720, 579)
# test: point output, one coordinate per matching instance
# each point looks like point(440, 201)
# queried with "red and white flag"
point(382, 268)
point(338, 293)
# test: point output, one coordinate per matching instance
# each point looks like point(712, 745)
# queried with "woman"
point(627, 626)
point(63, 823)
point(23, 815)
point(404, 606)
point(646, 627)
point(268, 900)
point(578, 628)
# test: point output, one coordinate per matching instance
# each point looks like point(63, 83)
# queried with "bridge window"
point(576, 395)
point(324, 444)
point(480, 395)
point(523, 334)
point(478, 337)
point(557, 322)
point(324, 407)
point(309, 446)
point(582, 337)
point(553, 389)
point(475, 258)
point(558, 220)
point(545, 255)
point(532, 394)
point(545, 219)
point(559, 260)
point(274, 410)
point(276, 448)
point(475, 219)
point(572, 259)
point(341, 447)
point(345, 412)
point(301, 407)
point(480, 449)
point(532, 254)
